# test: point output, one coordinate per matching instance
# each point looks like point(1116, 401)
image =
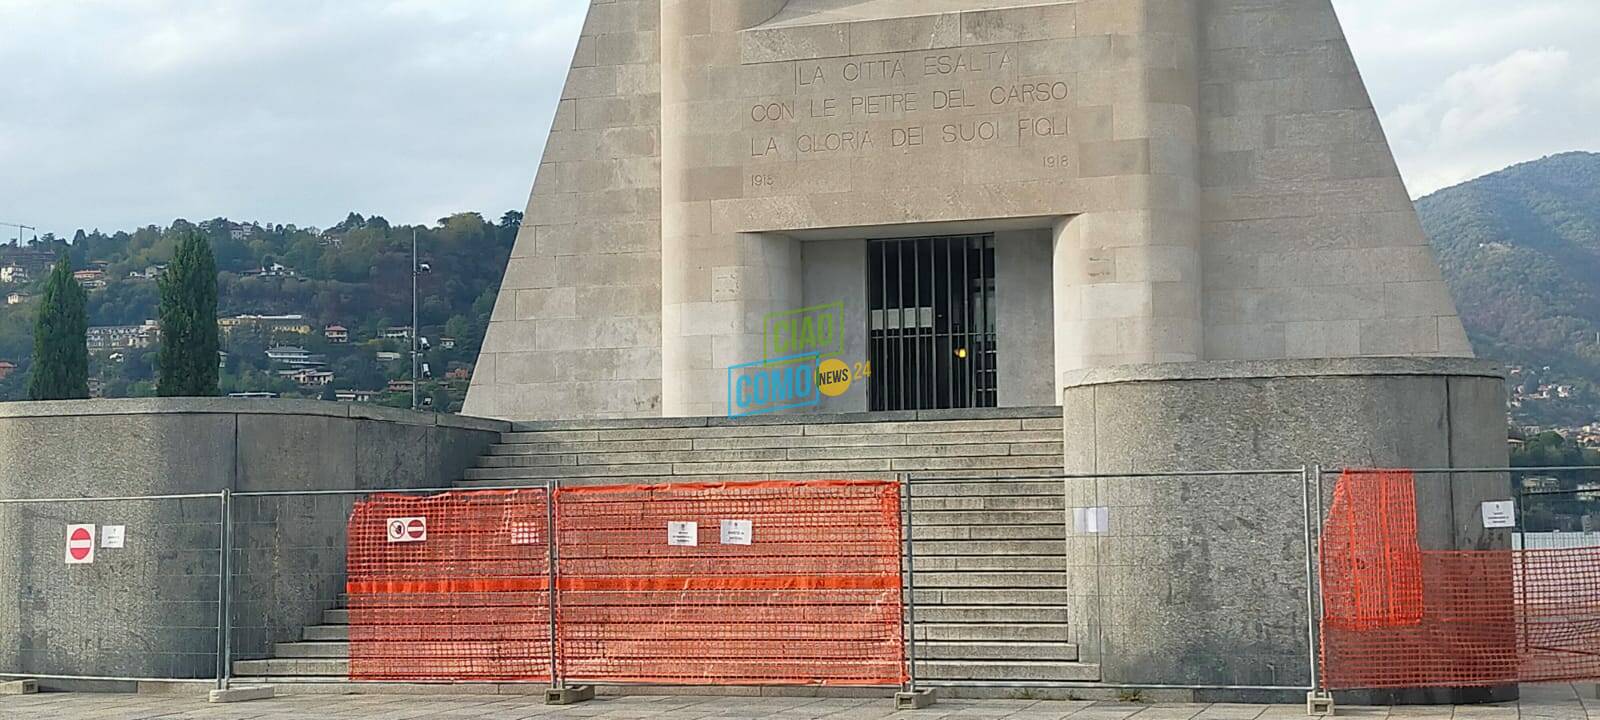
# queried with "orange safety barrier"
point(658, 585)
point(1396, 616)
point(462, 595)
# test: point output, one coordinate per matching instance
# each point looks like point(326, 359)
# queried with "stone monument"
point(1180, 220)
point(1158, 181)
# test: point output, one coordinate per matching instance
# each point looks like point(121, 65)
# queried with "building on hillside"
point(399, 386)
point(254, 395)
point(336, 334)
point(459, 374)
point(356, 395)
point(14, 274)
point(6, 368)
point(397, 332)
point(311, 378)
point(294, 356)
point(17, 298)
point(92, 279)
point(272, 270)
point(448, 343)
point(151, 272)
point(292, 324)
point(129, 337)
point(35, 262)
point(388, 356)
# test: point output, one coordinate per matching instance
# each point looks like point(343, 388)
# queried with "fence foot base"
point(19, 687)
point(915, 700)
point(1319, 704)
point(244, 693)
point(568, 695)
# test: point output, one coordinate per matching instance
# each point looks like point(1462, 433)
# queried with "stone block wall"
point(150, 609)
point(577, 326)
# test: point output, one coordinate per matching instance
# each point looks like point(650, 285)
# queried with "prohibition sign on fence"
point(408, 529)
point(80, 544)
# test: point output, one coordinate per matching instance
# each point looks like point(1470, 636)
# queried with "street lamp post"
point(416, 269)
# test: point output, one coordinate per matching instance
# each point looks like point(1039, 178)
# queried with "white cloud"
point(119, 113)
point(1466, 87)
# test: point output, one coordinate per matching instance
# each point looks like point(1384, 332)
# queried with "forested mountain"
point(1521, 251)
point(355, 275)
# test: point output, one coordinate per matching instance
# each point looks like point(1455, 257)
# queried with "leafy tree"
point(60, 350)
point(189, 345)
point(328, 393)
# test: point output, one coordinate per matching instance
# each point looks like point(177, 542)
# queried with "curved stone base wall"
point(1202, 580)
point(150, 609)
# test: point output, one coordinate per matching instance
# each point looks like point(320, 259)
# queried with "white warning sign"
point(408, 529)
point(736, 532)
point(1094, 520)
point(1500, 514)
point(683, 534)
point(112, 536)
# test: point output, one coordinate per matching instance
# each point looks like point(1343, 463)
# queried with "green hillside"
point(355, 275)
point(1521, 251)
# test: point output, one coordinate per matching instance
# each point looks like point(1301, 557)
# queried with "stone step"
point(993, 632)
point(1002, 597)
point(979, 670)
point(984, 533)
point(920, 489)
point(294, 667)
point(1042, 430)
point(323, 633)
point(1057, 502)
point(928, 518)
point(1027, 651)
point(1040, 563)
point(312, 650)
point(338, 616)
point(990, 614)
point(988, 548)
point(989, 579)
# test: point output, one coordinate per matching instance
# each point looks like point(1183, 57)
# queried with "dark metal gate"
point(931, 326)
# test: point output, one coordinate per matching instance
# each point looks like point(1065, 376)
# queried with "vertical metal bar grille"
point(931, 335)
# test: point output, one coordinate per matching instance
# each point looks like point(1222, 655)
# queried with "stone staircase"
point(989, 551)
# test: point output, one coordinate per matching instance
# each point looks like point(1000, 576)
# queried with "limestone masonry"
point(1147, 180)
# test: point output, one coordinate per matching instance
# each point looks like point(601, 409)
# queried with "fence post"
point(559, 693)
point(1319, 701)
point(224, 587)
point(910, 698)
point(550, 555)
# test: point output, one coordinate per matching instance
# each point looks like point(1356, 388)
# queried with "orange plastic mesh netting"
point(813, 598)
point(463, 597)
point(1399, 617)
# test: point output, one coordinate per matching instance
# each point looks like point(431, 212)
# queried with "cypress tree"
point(189, 343)
point(60, 340)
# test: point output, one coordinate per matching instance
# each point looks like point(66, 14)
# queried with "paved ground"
point(1542, 703)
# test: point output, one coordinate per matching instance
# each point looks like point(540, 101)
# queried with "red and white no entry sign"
point(80, 544)
point(408, 529)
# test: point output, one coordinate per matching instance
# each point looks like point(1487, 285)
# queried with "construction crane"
point(20, 228)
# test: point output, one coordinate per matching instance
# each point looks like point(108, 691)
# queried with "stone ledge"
point(1007, 413)
point(1266, 369)
point(241, 406)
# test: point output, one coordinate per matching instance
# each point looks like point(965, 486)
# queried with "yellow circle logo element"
point(833, 377)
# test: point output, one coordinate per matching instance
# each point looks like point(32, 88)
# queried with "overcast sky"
point(121, 113)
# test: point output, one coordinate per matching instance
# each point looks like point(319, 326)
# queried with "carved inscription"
point(913, 102)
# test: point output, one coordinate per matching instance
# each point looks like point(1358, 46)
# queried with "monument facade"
point(992, 192)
